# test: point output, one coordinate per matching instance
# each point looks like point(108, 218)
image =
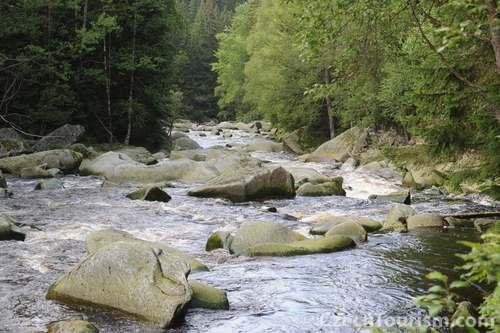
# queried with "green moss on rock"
point(208, 297)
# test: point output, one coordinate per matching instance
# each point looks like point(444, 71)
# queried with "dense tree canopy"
point(424, 68)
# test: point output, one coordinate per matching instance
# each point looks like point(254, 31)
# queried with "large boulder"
point(39, 171)
point(71, 326)
point(396, 220)
point(208, 297)
point(102, 238)
point(139, 154)
point(254, 233)
point(332, 187)
point(249, 184)
point(292, 142)
point(348, 144)
point(63, 159)
point(10, 147)
point(349, 229)
point(137, 279)
point(424, 221)
point(424, 177)
point(9, 229)
point(380, 169)
point(304, 247)
point(63, 137)
point(262, 145)
point(185, 143)
point(149, 193)
point(307, 175)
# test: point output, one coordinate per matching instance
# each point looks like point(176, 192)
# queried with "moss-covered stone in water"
point(151, 193)
point(304, 247)
point(368, 224)
point(205, 296)
point(218, 240)
point(424, 221)
point(349, 229)
point(333, 187)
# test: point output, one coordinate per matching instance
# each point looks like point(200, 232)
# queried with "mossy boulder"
point(198, 155)
point(137, 279)
point(292, 142)
point(71, 326)
point(60, 138)
point(102, 238)
point(348, 144)
point(208, 297)
point(13, 147)
point(397, 217)
point(9, 229)
point(368, 224)
point(424, 221)
point(332, 187)
point(250, 184)
point(185, 143)
point(40, 171)
point(425, 177)
point(138, 154)
point(349, 229)
point(63, 159)
point(302, 247)
point(218, 240)
point(255, 233)
point(150, 193)
point(49, 184)
point(307, 175)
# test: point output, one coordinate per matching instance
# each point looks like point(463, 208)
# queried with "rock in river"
point(49, 184)
point(63, 159)
point(39, 171)
point(150, 193)
point(71, 326)
point(348, 229)
point(332, 187)
point(346, 145)
point(424, 221)
point(103, 238)
point(208, 297)
point(132, 277)
point(249, 184)
point(9, 229)
point(326, 221)
point(396, 220)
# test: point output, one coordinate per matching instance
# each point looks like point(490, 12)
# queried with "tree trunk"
point(132, 81)
point(331, 122)
point(107, 74)
point(494, 32)
point(85, 14)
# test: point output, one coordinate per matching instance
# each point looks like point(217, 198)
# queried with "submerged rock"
point(150, 193)
point(49, 184)
point(424, 221)
point(64, 159)
point(63, 137)
point(71, 326)
point(397, 217)
point(102, 238)
point(9, 229)
point(249, 184)
point(347, 144)
point(137, 279)
point(332, 187)
point(349, 229)
point(208, 297)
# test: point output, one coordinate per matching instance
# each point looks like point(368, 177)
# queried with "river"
point(334, 292)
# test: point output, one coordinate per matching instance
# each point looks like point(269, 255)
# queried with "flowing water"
point(318, 293)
